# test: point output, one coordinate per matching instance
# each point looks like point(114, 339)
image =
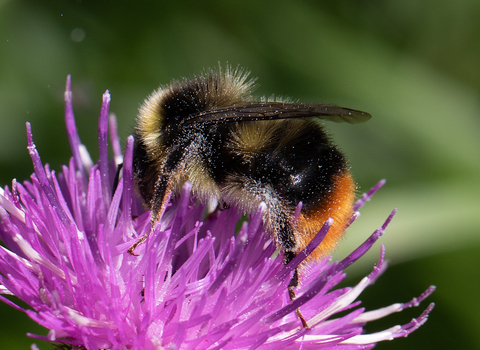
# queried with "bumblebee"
point(239, 152)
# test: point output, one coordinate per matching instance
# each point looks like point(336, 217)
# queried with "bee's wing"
point(278, 110)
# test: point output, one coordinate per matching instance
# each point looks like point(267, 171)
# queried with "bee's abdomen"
point(294, 157)
point(337, 204)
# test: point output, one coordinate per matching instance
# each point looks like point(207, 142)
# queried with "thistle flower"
point(195, 284)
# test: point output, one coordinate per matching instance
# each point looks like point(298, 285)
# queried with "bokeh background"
point(414, 65)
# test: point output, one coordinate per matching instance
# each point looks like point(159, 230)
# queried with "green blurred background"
point(414, 65)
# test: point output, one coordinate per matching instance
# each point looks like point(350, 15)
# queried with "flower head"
point(196, 284)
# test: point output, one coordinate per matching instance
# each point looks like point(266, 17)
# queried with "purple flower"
point(195, 283)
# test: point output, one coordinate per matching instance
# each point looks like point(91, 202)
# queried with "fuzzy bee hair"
point(240, 152)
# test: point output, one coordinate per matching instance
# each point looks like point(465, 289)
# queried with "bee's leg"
point(157, 206)
point(287, 240)
point(288, 256)
point(223, 206)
